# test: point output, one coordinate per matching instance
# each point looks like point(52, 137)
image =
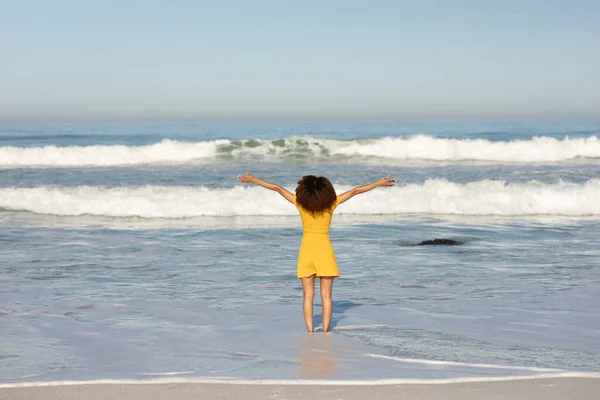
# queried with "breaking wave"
point(386, 150)
point(435, 196)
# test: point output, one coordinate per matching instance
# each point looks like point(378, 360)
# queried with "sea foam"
point(434, 196)
point(302, 382)
point(383, 150)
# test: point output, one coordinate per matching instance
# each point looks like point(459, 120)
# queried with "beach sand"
point(538, 388)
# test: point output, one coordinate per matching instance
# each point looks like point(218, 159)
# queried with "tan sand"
point(539, 389)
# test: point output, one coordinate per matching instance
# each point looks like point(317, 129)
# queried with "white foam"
point(435, 196)
point(303, 382)
point(389, 149)
point(166, 373)
point(421, 147)
point(168, 151)
point(357, 327)
point(462, 364)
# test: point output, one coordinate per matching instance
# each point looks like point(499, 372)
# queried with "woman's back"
point(316, 224)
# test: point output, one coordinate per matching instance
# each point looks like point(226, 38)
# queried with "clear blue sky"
point(146, 59)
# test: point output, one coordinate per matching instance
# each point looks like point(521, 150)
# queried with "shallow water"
point(173, 268)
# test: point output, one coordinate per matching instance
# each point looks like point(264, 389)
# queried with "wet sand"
point(538, 388)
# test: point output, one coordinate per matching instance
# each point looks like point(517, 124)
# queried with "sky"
point(227, 59)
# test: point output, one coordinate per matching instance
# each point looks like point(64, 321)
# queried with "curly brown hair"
point(316, 195)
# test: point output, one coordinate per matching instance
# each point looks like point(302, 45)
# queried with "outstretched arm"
point(385, 181)
point(249, 178)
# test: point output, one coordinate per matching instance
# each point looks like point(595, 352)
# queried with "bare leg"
point(326, 284)
point(308, 288)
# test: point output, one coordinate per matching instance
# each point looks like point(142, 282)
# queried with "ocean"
point(131, 251)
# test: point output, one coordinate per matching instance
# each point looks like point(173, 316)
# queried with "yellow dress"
point(316, 255)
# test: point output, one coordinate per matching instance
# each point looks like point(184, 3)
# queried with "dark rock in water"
point(447, 242)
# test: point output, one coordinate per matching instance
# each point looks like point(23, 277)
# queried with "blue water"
point(134, 262)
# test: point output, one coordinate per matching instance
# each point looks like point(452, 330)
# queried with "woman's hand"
point(248, 178)
point(386, 181)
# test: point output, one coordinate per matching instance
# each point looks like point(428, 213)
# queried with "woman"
point(316, 200)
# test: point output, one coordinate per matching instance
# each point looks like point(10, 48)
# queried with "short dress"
point(316, 256)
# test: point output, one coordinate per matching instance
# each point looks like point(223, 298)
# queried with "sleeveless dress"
point(316, 256)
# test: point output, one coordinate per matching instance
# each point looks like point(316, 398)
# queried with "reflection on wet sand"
point(317, 356)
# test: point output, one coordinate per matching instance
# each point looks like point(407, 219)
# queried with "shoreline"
point(546, 388)
point(171, 378)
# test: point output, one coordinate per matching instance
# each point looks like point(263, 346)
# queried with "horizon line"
point(307, 118)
